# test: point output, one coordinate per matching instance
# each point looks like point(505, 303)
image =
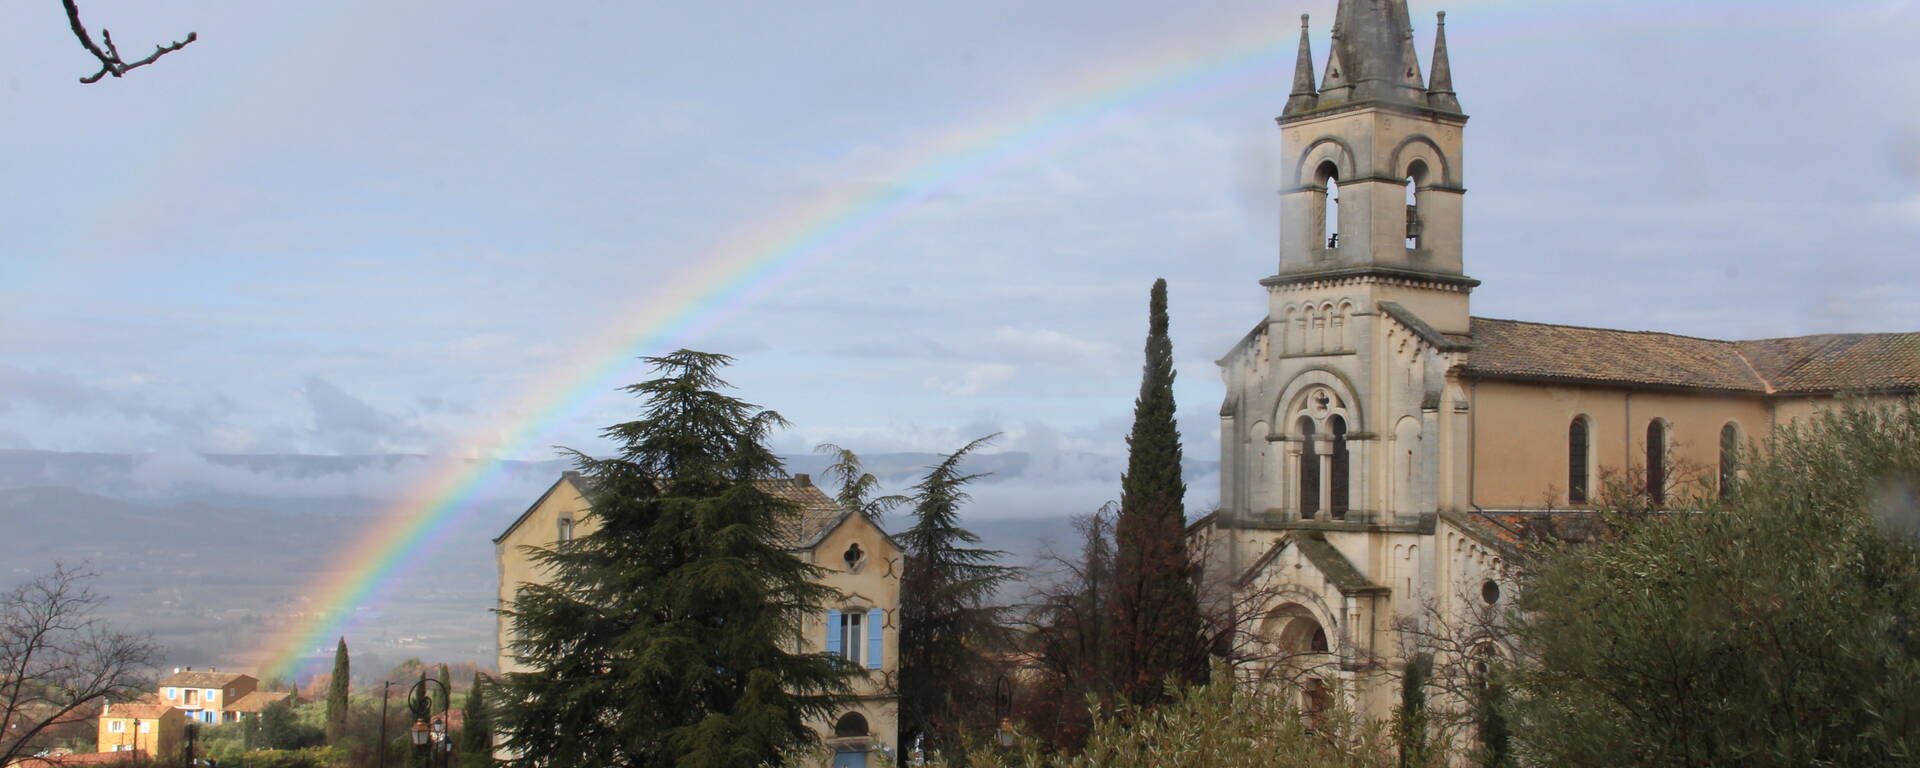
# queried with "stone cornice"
point(1413, 278)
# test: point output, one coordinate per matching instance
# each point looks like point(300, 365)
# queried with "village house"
point(150, 727)
point(1380, 446)
point(207, 696)
point(857, 558)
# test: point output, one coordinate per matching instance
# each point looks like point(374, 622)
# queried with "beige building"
point(858, 559)
point(153, 728)
point(206, 696)
point(1381, 446)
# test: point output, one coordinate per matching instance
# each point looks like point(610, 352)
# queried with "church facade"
point(1382, 448)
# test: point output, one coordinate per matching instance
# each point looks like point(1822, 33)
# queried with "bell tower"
point(1374, 164)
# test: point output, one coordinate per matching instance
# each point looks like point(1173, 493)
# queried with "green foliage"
point(337, 691)
point(1490, 724)
point(443, 692)
point(1156, 614)
point(857, 486)
point(308, 757)
point(1410, 737)
point(666, 635)
point(281, 728)
point(1216, 725)
point(945, 622)
point(476, 733)
point(1777, 627)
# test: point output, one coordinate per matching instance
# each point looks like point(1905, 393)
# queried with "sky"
point(375, 227)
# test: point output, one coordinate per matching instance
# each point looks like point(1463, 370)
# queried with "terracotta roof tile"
point(200, 679)
point(82, 758)
point(1510, 348)
point(1838, 362)
point(814, 512)
point(144, 709)
point(257, 701)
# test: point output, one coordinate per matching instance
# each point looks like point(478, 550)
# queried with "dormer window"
point(854, 558)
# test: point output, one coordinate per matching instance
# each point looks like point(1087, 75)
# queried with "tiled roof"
point(1335, 566)
point(1838, 362)
point(82, 758)
point(814, 512)
point(1805, 364)
point(144, 709)
point(257, 701)
point(201, 679)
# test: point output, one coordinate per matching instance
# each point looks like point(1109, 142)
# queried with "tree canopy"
point(669, 634)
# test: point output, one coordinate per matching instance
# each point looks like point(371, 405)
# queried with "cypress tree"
point(337, 691)
point(1410, 721)
point(944, 620)
point(668, 634)
point(442, 693)
point(476, 734)
point(1157, 620)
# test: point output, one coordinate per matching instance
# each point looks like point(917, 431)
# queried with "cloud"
point(347, 423)
point(1048, 345)
point(976, 379)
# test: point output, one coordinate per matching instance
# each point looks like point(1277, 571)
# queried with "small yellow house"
point(151, 727)
point(856, 557)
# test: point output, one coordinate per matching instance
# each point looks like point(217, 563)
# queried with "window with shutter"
point(876, 619)
point(833, 632)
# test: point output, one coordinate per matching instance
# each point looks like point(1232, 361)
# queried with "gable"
point(1315, 553)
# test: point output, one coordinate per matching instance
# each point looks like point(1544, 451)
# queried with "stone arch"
point(1420, 147)
point(1282, 411)
point(851, 725)
point(1327, 149)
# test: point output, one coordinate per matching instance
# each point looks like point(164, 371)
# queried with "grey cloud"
point(347, 423)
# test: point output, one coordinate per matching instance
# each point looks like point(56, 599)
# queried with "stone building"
point(1378, 441)
point(857, 558)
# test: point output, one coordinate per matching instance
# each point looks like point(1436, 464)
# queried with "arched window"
point(1416, 175)
point(1657, 461)
point(1309, 472)
point(1340, 480)
point(1329, 176)
point(1729, 457)
point(1577, 451)
point(850, 726)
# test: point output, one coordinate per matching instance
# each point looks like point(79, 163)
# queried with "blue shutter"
point(833, 632)
point(876, 619)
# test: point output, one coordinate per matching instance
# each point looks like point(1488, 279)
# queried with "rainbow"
point(742, 268)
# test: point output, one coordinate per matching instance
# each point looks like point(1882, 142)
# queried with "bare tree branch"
point(108, 54)
point(57, 658)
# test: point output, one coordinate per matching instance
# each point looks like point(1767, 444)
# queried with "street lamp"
point(421, 705)
point(1003, 704)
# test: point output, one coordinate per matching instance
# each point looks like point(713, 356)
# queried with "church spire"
point(1440, 89)
point(1304, 97)
point(1372, 56)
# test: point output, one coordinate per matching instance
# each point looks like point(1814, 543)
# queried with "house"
point(1378, 441)
point(253, 703)
point(149, 726)
point(206, 696)
point(857, 558)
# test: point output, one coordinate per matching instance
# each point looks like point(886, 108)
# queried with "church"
point(1383, 449)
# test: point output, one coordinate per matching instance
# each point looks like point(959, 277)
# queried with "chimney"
point(804, 478)
point(176, 670)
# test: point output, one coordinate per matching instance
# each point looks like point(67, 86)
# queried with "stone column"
point(1324, 448)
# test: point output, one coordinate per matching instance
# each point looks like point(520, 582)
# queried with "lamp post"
point(434, 732)
point(1003, 706)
